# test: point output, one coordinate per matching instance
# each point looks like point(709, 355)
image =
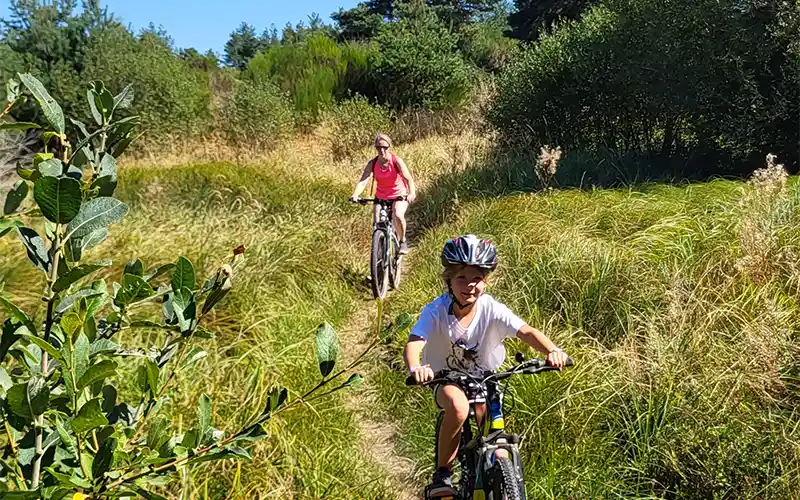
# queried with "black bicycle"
point(489, 463)
point(385, 259)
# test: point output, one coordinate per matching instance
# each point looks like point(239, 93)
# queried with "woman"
point(394, 183)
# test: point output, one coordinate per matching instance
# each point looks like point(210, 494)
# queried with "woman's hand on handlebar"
point(354, 199)
point(422, 374)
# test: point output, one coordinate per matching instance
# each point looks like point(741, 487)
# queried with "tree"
point(532, 17)
point(418, 63)
point(358, 23)
point(242, 46)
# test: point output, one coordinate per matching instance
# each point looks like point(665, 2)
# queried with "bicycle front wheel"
point(397, 264)
point(505, 483)
point(378, 265)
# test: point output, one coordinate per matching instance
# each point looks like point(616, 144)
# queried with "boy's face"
point(468, 284)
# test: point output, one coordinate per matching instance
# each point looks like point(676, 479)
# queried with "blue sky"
point(205, 24)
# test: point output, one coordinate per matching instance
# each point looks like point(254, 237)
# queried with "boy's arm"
point(411, 354)
point(540, 342)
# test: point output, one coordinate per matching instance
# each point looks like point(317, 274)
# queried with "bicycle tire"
point(377, 264)
point(505, 484)
point(397, 266)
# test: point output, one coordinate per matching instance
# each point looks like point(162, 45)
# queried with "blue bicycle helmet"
point(469, 250)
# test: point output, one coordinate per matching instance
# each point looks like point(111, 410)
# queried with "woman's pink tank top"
point(389, 180)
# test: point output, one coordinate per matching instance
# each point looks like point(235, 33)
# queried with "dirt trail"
point(377, 435)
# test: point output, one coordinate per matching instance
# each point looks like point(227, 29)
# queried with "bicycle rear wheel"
point(378, 265)
point(505, 483)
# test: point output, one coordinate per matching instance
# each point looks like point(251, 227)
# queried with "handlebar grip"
point(411, 380)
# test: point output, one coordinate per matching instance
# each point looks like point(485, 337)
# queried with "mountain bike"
point(385, 259)
point(490, 464)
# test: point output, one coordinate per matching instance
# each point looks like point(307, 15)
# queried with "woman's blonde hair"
point(383, 137)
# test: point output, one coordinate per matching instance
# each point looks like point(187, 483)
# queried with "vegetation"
point(678, 305)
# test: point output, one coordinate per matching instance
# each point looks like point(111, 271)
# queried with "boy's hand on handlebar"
point(422, 373)
point(557, 358)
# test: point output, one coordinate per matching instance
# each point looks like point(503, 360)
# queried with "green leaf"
point(124, 99)
point(103, 346)
point(12, 90)
point(190, 439)
point(52, 111)
point(18, 126)
point(153, 379)
point(6, 225)
point(38, 395)
point(76, 246)
point(157, 434)
point(327, 347)
point(9, 337)
point(183, 275)
point(15, 197)
point(96, 214)
point(70, 300)
point(135, 267)
point(77, 273)
point(22, 495)
point(17, 400)
point(17, 314)
point(227, 453)
point(155, 273)
point(50, 168)
point(94, 106)
point(45, 346)
point(354, 380)
point(104, 458)
point(28, 174)
point(195, 355)
point(66, 439)
point(59, 198)
point(97, 372)
point(81, 355)
point(276, 399)
point(185, 306)
point(39, 158)
point(204, 424)
point(133, 288)
point(35, 248)
point(89, 417)
point(107, 175)
point(82, 157)
point(220, 286)
point(5, 381)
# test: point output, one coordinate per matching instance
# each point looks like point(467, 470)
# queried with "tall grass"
point(296, 232)
point(679, 305)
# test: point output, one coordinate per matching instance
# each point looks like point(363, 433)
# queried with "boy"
point(464, 329)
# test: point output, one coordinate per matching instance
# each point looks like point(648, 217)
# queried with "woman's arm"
point(362, 183)
point(540, 342)
point(406, 173)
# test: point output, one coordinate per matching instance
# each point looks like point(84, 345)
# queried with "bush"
point(171, 96)
point(622, 79)
point(417, 62)
point(255, 114)
point(313, 72)
point(353, 124)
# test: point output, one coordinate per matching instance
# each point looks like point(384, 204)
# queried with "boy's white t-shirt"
point(476, 347)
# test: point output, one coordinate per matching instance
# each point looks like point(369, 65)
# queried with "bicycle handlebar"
point(531, 367)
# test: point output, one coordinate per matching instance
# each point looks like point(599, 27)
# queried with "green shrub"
point(171, 96)
point(646, 76)
point(417, 62)
point(353, 124)
point(256, 114)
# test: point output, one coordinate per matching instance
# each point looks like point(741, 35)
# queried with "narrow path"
point(377, 435)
